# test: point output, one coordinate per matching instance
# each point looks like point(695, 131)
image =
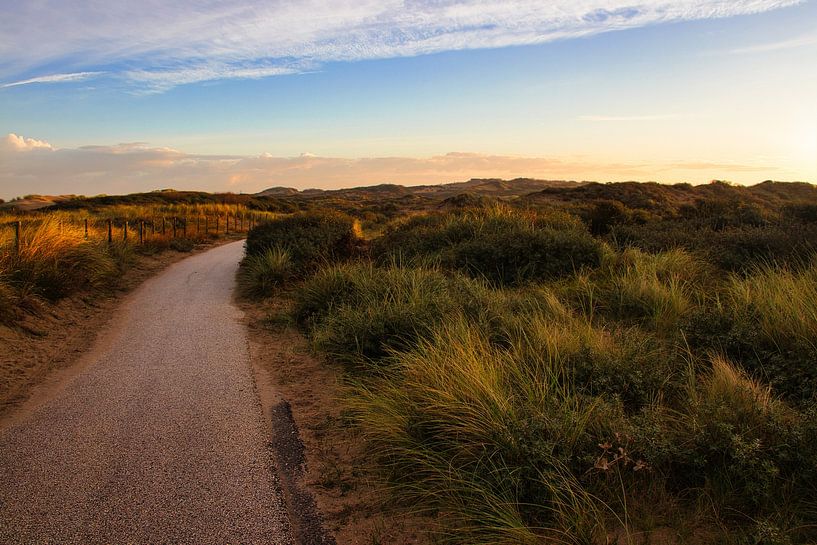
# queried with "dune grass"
point(266, 271)
point(782, 304)
point(56, 256)
point(640, 397)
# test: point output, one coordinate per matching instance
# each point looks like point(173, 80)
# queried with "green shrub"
point(604, 214)
point(502, 245)
point(738, 441)
point(311, 238)
point(262, 273)
point(512, 258)
point(739, 248)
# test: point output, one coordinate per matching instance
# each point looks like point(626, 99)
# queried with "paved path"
point(161, 440)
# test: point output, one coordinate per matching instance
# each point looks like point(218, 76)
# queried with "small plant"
point(261, 274)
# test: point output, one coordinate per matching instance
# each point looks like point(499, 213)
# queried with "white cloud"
point(32, 166)
point(162, 44)
point(792, 43)
point(53, 78)
point(14, 142)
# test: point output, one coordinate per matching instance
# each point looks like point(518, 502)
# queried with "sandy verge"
point(335, 470)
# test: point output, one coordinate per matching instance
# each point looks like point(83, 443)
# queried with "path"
point(161, 440)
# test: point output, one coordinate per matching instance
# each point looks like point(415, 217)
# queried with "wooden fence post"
point(17, 237)
point(174, 226)
point(125, 231)
point(141, 232)
point(198, 220)
point(216, 225)
point(86, 228)
point(110, 231)
point(226, 224)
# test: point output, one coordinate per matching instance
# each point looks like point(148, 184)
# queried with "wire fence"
point(137, 231)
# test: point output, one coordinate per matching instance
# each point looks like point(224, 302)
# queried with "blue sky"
point(118, 96)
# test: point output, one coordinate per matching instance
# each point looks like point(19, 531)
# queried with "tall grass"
point(636, 396)
point(359, 312)
point(654, 290)
point(781, 303)
point(261, 274)
point(56, 259)
point(465, 427)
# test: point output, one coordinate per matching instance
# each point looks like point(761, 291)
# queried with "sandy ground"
point(353, 504)
point(159, 439)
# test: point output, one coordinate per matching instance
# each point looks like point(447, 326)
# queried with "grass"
point(263, 273)
point(781, 302)
point(57, 257)
point(540, 397)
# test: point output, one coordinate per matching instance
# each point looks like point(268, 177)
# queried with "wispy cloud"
point(53, 78)
point(791, 43)
point(628, 118)
point(162, 44)
point(33, 166)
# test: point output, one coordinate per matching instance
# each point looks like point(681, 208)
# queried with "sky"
point(109, 97)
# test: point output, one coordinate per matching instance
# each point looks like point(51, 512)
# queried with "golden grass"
point(782, 303)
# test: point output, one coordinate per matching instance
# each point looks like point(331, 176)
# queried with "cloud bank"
point(33, 166)
point(155, 45)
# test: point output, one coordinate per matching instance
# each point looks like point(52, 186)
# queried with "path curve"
point(161, 439)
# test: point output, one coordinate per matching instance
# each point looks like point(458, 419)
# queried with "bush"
point(504, 246)
point(513, 258)
point(604, 214)
point(311, 238)
point(740, 443)
point(737, 249)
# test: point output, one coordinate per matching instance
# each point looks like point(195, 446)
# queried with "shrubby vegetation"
point(499, 244)
point(55, 259)
point(623, 369)
point(310, 238)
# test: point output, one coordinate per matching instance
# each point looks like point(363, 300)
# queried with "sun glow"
point(804, 147)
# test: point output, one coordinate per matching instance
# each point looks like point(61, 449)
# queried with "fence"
point(146, 230)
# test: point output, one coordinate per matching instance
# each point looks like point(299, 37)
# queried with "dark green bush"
point(515, 257)
point(311, 238)
point(733, 249)
point(504, 246)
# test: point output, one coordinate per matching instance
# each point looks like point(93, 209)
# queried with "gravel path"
point(161, 440)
